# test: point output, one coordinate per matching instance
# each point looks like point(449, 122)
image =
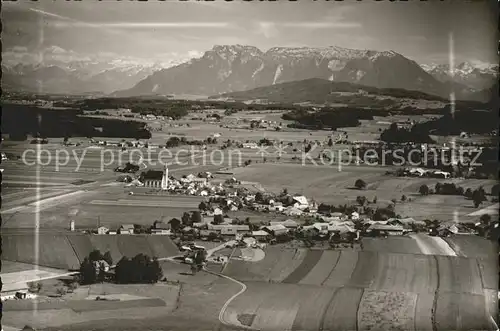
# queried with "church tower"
point(164, 180)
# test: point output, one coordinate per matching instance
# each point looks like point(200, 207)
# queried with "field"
point(472, 246)
point(66, 251)
point(276, 266)
point(374, 290)
point(138, 301)
point(334, 185)
point(387, 311)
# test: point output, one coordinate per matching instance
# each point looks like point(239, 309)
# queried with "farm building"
point(126, 229)
point(289, 224)
point(102, 230)
point(340, 228)
point(406, 223)
point(260, 235)
point(229, 229)
point(161, 225)
point(275, 230)
point(379, 229)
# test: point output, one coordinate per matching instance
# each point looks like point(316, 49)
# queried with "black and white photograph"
point(230, 165)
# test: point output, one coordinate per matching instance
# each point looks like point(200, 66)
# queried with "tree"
point(156, 272)
point(330, 142)
point(360, 184)
point(393, 201)
point(196, 217)
point(95, 255)
point(485, 219)
point(107, 257)
point(87, 272)
point(375, 199)
point(437, 188)
point(423, 190)
point(477, 198)
point(259, 197)
point(186, 219)
point(468, 193)
point(403, 198)
point(218, 219)
point(175, 224)
point(203, 206)
point(361, 200)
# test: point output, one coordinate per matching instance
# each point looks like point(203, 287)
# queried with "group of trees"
point(21, 120)
point(140, 269)
point(328, 118)
point(478, 196)
point(401, 135)
point(91, 268)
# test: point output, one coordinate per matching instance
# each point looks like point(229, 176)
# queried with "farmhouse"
point(228, 229)
point(275, 230)
point(379, 229)
point(126, 229)
point(260, 235)
point(289, 224)
point(406, 223)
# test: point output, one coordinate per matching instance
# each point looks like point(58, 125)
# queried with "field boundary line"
point(331, 271)
point(436, 293)
point(323, 315)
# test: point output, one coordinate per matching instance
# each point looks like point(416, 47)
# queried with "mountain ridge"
point(228, 68)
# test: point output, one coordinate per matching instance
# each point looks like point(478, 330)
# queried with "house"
point(407, 223)
point(161, 231)
point(446, 229)
point(260, 235)
point(385, 229)
point(126, 229)
point(341, 228)
point(322, 228)
point(102, 230)
point(101, 265)
point(217, 211)
point(228, 229)
point(301, 202)
point(161, 225)
point(275, 230)
point(289, 224)
point(292, 211)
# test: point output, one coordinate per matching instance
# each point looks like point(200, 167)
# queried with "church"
point(155, 179)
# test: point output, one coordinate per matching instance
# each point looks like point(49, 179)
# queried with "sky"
point(172, 29)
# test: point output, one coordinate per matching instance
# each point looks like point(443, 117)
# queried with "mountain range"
point(229, 68)
point(56, 70)
point(475, 75)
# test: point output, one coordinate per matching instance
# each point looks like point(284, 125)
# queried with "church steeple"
point(164, 180)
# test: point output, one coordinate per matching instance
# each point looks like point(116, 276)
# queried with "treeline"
point(328, 118)
point(400, 135)
point(470, 121)
point(19, 121)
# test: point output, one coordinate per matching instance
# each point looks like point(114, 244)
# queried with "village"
point(306, 220)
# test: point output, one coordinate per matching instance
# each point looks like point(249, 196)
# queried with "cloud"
point(195, 54)
point(268, 29)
